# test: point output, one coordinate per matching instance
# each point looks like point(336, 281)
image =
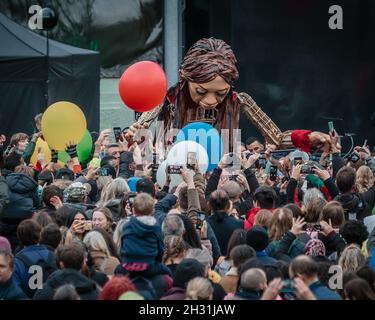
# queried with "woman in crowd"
point(199, 289)
point(174, 252)
point(225, 262)
point(99, 251)
point(102, 218)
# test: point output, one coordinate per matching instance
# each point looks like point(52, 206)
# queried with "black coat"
point(223, 226)
point(85, 287)
point(23, 197)
point(4, 194)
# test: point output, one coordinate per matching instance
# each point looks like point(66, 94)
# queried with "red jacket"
point(250, 217)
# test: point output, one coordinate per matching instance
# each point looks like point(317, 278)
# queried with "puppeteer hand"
point(133, 130)
point(320, 141)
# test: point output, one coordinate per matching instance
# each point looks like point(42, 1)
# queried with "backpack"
point(48, 266)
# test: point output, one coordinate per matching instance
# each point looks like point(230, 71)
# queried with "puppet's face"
point(208, 95)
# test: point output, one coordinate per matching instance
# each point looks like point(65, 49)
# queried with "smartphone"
point(117, 132)
point(273, 173)
point(297, 160)
point(330, 127)
point(261, 163)
point(312, 227)
point(190, 161)
point(155, 162)
point(200, 220)
point(103, 172)
point(354, 158)
point(174, 169)
point(288, 286)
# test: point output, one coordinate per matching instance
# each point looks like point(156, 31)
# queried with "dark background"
point(298, 70)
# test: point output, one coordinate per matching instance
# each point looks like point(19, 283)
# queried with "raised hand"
point(302, 290)
point(272, 289)
point(326, 227)
point(320, 141)
point(248, 163)
point(322, 174)
point(296, 171)
point(297, 227)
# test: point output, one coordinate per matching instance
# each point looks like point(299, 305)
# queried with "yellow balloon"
point(63, 122)
point(43, 146)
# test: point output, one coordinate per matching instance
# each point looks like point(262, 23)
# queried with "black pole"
point(47, 78)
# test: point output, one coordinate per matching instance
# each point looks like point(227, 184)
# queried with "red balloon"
point(143, 86)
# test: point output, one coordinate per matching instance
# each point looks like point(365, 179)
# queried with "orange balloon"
point(143, 86)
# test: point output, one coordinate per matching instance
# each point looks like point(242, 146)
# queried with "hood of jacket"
point(21, 183)
point(142, 226)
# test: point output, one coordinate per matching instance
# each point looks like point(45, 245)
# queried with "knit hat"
point(4, 244)
point(188, 269)
point(257, 238)
point(315, 247)
point(131, 295)
point(314, 181)
point(76, 191)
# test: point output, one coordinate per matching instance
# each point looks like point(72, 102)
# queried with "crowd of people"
point(274, 228)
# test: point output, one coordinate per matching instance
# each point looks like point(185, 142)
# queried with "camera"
point(190, 162)
point(174, 169)
point(307, 169)
point(200, 220)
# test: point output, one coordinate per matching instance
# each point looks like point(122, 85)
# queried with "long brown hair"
point(205, 60)
point(281, 222)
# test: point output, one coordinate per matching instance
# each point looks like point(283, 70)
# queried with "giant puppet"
point(204, 93)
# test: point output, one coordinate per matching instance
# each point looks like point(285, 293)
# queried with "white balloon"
point(178, 155)
point(161, 176)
